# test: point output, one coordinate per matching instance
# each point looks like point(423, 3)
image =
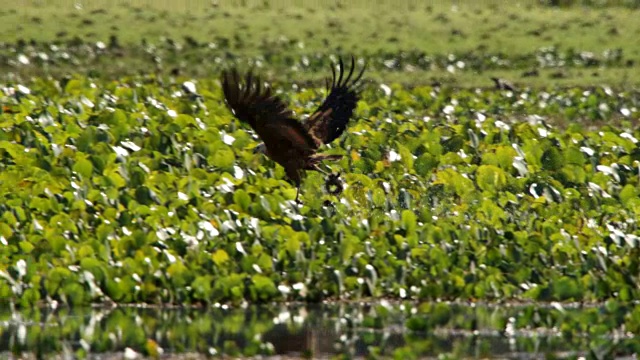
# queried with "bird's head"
point(260, 149)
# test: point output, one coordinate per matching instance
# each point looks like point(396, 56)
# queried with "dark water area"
point(315, 331)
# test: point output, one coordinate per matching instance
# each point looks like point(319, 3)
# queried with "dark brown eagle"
point(289, 142)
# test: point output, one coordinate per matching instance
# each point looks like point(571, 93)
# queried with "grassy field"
point(461, 43)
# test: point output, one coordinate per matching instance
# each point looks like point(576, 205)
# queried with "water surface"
point(318, 331)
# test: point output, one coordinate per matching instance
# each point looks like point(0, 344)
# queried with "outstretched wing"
point(267, 114)
point(330, 120)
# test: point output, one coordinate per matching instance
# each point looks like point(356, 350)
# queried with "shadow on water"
point(315, 331)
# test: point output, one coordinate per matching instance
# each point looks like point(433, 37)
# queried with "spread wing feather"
point(330, 120)
point(266, 113)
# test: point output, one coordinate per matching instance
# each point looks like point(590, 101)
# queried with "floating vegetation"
point(131, 191)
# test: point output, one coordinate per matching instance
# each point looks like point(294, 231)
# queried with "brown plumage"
point(289, 142)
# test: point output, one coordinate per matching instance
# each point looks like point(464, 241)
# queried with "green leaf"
point(242, 199)
point(184, 120)
point(95, 267)
point(14, 150)
point(379, 197)
point(574, 156)
point(223, 159)
point(264, 287)
point(566, 288)
point(137, 177)
point(56, 277)
point(115, 179)
point(292, 245)
point(74, 87)
point(455, 181)
point(406, 156)
point(220, 257)
point(552, 159)
point(628, 193)
point(83, 167)
point(178, 273)
point(26, 247)
point(409, 221)
point(348, 247)
point(492, 213)
point(5, 230)
point(9, 218)
point(505, 155)
point(425, 163)
point(202, 287)
point(491, 178)
point(74, 293)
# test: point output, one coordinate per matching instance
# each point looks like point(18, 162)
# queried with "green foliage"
point(133, 191)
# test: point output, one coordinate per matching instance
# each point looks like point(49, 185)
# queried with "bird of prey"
point(289, 142)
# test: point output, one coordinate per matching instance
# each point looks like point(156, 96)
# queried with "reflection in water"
point(301, 330)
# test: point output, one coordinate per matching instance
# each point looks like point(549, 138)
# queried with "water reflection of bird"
point(289, 142)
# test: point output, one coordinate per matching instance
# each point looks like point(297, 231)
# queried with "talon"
point(333, 184)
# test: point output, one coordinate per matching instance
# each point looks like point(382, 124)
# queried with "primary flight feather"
point(289, 142)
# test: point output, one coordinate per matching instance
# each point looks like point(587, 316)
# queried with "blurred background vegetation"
point(461, 43)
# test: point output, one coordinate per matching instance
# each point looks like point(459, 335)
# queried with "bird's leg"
point(295, 176)
point(298, 195)
point(317, 168)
